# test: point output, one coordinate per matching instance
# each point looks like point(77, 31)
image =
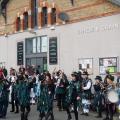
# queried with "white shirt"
point(87, 86)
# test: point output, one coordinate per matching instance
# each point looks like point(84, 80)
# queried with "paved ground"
point(58, 115)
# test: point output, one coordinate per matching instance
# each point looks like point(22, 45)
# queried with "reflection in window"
point(34, 45)
point(44, 44)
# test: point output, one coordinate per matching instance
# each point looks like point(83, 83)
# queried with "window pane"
point(18, 24)
point(34, 12)
point(53, 16)
point(44, 16)
point(25, 20)
point(34, 45)
point(44, 44)
point(38, 45)
point(29, 46)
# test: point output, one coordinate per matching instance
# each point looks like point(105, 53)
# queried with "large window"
point(36, 45)
point(44, 16)
point(18, 24)
point(25, 20)
point(34, 7)
point(53, 16)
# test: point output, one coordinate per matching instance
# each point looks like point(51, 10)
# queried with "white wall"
point(102, 42)
point(74, 41)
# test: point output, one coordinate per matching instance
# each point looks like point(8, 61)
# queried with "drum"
point(113, 96)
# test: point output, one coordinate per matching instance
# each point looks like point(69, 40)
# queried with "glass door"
point(40, 63)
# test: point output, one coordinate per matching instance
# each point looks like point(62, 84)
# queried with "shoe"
point(98, 116)
point(86, 114)
point(111, 119)
point(17, 112)
point(12, 111)
point(106, 118)
point(82, 113)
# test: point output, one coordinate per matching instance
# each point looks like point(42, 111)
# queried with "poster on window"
point(86, 64)
point(109, 64)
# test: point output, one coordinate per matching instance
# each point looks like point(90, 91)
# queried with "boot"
point(76, 115)
point(52, 117)
point(41, 115)
point(17, 109)
point(26, 116)
point(22, 116)
point(99, 115)
point(69, 117)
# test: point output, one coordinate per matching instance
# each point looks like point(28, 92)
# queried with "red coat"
point(1, 73)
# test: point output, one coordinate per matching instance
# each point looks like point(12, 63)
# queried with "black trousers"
point(47, 115)
point(15, 104)
point(100, 110)
point(109, 111)
point(24, 112)
point(3, 108)
point(74, 103)
point(60, 100)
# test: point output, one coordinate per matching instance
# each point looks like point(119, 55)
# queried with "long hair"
point(49, 81)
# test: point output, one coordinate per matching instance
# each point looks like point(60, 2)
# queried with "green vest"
point(24, 93)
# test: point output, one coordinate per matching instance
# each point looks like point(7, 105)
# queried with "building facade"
point(60, 34)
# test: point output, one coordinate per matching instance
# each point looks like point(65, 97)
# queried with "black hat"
point(74, 74)
point(79, 73)
point(85, 73)
point(110, 77)
point(98, 78)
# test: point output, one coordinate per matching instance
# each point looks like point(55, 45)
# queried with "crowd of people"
point(29, 86)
